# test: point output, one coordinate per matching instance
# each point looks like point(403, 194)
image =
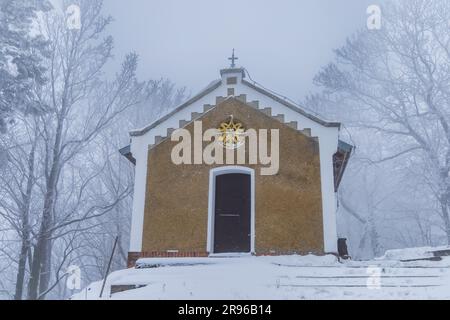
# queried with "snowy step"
point(207, 107)
point(170, 131)
point(293, 124)
point(184, 123)
point(242, 98)
point(219, 100)
point(159, 139)
point(441, 253)
point(279, 117)
point(267, 111)
point(346, 277)
point(437, 258)
point(362, 281)
point(195, 115)
point(306, 132)
point(355, 286)
point(254, 104)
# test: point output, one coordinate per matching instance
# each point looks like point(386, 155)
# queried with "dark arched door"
point(232, 215)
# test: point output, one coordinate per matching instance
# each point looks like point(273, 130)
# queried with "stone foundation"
point(135, 256)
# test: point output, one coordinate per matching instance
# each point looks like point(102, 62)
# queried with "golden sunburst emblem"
point(231, 133)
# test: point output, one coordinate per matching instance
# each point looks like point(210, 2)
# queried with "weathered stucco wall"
point(288, 208)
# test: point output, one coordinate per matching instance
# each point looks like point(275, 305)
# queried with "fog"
point(282, 43)
point(73, 84)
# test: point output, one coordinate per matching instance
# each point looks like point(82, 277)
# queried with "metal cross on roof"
point(232, 59)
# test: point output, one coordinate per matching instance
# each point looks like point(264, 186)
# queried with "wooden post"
point(109, 266)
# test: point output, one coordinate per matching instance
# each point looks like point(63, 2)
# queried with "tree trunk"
point(25, 226)
point(41, 261)
point(34, 274)
point(21, 270)
point(40, 251)
point(44, 279)
point(446, 218)
point(374, 237)
point(444, 198)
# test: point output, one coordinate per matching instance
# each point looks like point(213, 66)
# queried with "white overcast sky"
point(283, 43)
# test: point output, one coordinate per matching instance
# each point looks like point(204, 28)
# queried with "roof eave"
point(292, 106)
point(126, 152)
point(345, 149)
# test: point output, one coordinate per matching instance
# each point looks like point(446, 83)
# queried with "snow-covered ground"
point(282, 277)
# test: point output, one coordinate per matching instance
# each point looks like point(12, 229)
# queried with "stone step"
point(183, 123)
point(279, 117)
point(195, 115)
point(170, 131)
point(207, 107)
point(159, 139)
point(254, 104)
point(267, 111)
point(242, 98)
point(293, 124)
point(306, 132)
point(220, 100)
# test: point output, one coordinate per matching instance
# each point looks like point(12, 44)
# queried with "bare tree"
point(395, 83)
point(65, 190)
point(21, 58)
point(82, 104)
point(17, 187)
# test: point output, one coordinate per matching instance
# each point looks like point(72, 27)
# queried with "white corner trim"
point(213, 173)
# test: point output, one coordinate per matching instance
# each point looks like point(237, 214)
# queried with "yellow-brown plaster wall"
point(288, 205)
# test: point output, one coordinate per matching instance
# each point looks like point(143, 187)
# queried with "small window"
point(230, 92)
point(232, 80)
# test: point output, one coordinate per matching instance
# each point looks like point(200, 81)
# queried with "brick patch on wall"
point(135, 256)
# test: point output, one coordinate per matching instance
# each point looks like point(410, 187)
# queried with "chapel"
point(235, 170)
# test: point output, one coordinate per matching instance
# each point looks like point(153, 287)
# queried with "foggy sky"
point(283, 44)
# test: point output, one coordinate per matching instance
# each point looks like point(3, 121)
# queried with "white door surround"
point(211, 203)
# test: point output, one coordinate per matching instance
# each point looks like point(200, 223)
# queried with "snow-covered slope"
point(283, 277)
point(412, 253)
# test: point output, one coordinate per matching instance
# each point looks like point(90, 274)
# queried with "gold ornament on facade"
point(231, 134)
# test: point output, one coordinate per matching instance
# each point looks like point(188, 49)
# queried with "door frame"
point(213, 173)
